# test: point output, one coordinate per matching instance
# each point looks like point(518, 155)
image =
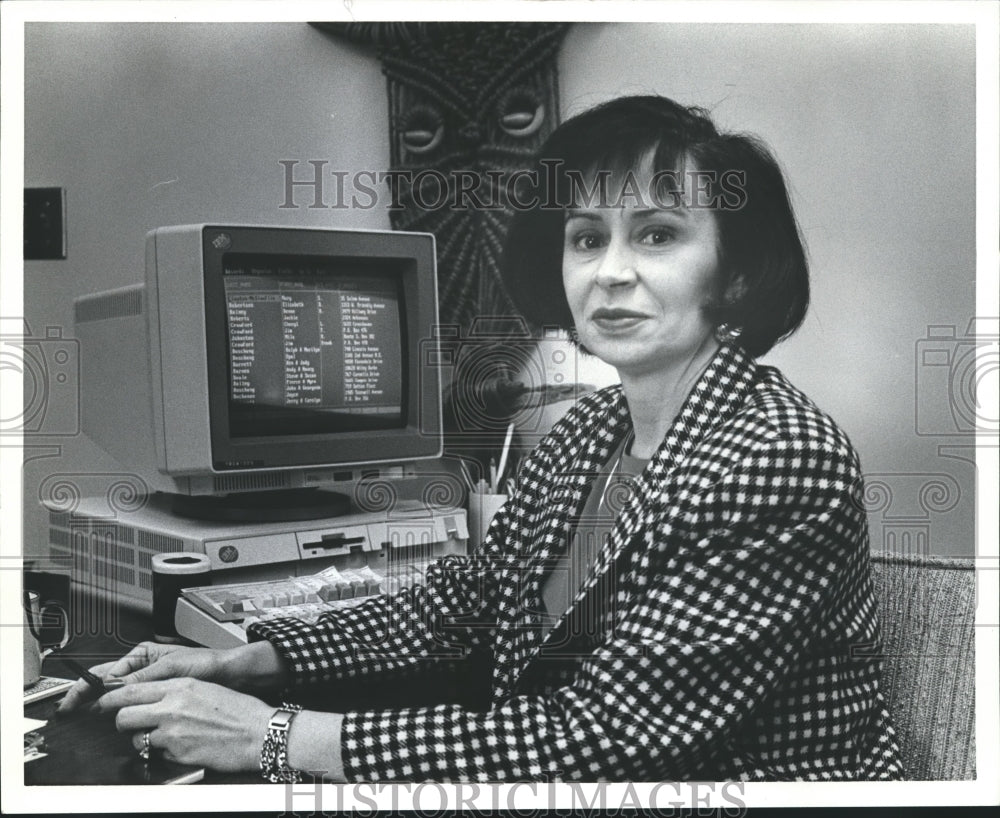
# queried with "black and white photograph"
point(494, 406)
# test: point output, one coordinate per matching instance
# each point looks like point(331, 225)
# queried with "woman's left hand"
point(192, 722)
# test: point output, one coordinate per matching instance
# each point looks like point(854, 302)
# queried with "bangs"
point(643, 178)
point(612, 162)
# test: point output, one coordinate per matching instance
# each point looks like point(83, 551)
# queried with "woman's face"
point(637, 280)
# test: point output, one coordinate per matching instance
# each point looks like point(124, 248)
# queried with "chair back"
point(927, 608)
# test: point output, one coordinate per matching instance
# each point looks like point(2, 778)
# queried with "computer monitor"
point(265, 359)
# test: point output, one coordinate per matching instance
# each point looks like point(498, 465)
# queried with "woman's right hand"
point(249, 666)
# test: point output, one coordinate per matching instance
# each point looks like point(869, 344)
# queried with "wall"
point(150, 125)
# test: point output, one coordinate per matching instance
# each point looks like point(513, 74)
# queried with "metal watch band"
point(274, 751)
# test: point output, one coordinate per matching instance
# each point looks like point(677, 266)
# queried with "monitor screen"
point(314, 346)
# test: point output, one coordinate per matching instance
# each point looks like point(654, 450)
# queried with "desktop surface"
point(86, 748)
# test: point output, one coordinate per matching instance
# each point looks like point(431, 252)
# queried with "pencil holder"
point(482, 507)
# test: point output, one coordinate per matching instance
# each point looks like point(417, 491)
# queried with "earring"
point(726, 333)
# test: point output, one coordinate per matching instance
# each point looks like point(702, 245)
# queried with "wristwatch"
point(274, 752)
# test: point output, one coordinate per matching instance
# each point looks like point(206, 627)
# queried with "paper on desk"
point(32, 724)
point(31, 751)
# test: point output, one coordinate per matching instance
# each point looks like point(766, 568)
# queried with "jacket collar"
point(713, 401)
point(715, 398)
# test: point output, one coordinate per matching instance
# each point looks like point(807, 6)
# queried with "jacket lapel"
point(601, 428)
point(715, 398)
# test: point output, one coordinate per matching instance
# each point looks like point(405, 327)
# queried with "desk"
point(88, 749)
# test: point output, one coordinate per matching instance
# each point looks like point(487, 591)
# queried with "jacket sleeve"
point(740, 580)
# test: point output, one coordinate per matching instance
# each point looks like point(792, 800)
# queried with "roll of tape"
point(181, 562)
point(173, 572)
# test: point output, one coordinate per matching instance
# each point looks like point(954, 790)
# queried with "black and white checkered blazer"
point(728, 630)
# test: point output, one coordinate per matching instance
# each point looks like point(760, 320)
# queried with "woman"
point(724, 627)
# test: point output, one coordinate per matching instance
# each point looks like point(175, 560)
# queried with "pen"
point(466, 476)
point(503, 454)
point(100, 686)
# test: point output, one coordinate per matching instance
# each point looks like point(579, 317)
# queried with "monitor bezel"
point(410, 257)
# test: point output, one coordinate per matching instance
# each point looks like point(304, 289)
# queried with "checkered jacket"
point(728, 630)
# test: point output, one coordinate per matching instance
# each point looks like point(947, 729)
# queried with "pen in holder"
point(482, 507)
point(486, 497)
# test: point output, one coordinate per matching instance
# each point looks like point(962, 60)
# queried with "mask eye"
point(422, 131)
point(521, 113)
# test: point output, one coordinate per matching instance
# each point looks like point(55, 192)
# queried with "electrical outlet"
point(44, 223)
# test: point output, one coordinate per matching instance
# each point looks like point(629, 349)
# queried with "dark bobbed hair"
point(764, 276)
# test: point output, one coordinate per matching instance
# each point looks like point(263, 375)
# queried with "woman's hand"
point(192, 722)
point(255, 665)
point(147, 660)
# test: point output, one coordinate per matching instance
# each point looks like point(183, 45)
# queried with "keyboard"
point(217, 616)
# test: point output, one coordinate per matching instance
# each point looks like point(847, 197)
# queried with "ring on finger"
point(146, 747)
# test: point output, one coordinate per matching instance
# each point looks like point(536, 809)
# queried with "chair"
point(927, 608)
